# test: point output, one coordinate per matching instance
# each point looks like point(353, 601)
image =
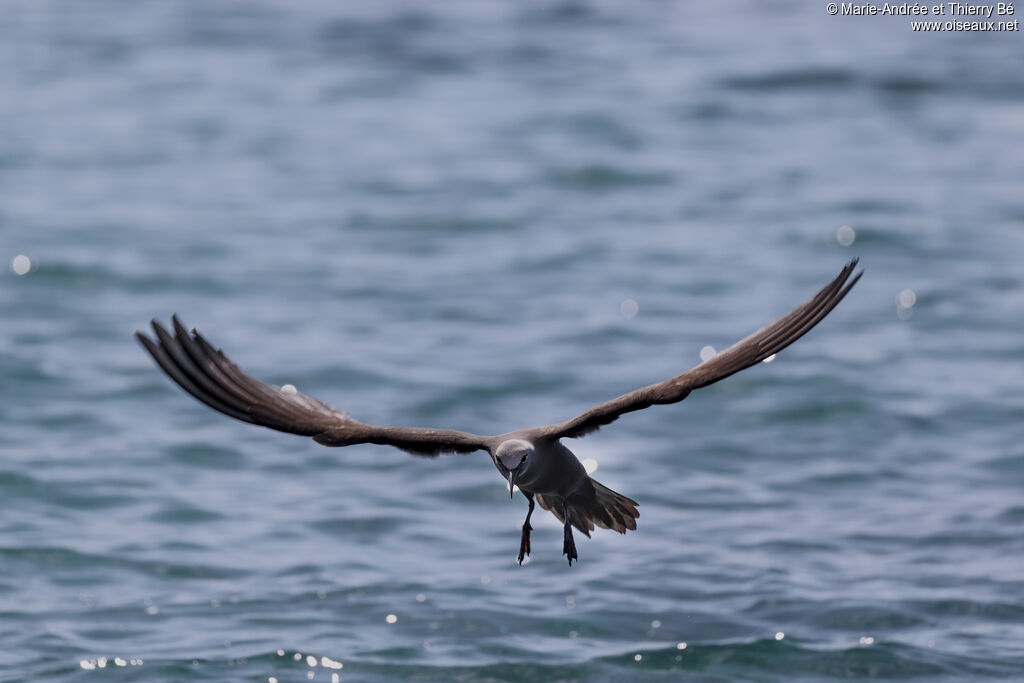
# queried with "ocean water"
point(489, 216)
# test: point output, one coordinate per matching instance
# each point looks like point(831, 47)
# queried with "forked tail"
point(598, 506)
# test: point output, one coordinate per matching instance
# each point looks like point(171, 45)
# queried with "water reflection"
point(102, 662)
point(905, 301)
point(21, 264)
point(312, 661)
point(629, 308)
point(845, 235)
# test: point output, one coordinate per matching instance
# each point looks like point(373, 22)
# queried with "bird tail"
point(600, 506)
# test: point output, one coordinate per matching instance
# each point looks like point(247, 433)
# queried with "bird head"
point(512, 457)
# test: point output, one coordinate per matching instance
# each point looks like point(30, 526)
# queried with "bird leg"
point(568, 545)
point(524, 543)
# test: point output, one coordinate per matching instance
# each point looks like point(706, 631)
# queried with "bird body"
point(544, 467)
point(533, 459)
point(540, 465)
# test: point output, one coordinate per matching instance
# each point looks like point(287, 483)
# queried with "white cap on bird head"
point(511, 455)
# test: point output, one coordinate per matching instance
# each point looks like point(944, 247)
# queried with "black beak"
point(512, 483)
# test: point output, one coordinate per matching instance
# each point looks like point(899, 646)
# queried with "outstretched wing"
point(207, 374)
point(767, 341)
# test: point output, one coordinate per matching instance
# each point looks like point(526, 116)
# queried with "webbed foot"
point(569, 545)
point(524, 543)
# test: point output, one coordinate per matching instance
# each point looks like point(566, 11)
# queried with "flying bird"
point(533, 459)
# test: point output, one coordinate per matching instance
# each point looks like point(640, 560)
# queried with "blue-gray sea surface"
point(490, 216)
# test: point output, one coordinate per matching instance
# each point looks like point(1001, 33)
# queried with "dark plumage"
point(534, 459)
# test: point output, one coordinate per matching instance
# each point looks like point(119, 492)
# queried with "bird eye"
point(523, 460)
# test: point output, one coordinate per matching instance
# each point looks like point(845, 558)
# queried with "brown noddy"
point(533, 459)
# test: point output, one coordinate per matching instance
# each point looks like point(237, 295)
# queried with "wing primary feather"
point(209, 374)
point(188, 366)
point(168, 365)
point(249, 382)
point(818, 308)
point(803, 324)
point(790, 328)
point(261, 401)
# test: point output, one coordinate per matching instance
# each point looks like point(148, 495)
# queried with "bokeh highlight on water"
point(488, 216)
